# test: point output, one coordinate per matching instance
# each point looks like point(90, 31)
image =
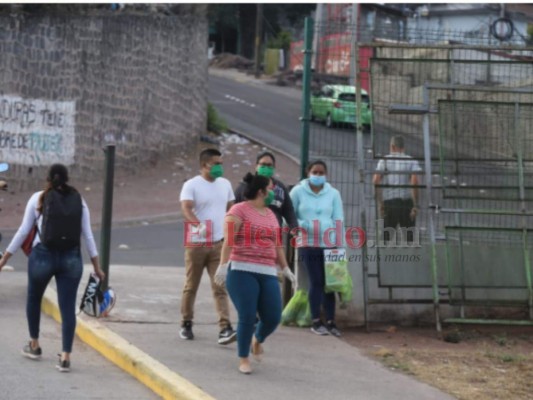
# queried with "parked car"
point(335, 104)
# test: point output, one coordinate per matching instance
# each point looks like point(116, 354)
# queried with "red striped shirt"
point(255, 242)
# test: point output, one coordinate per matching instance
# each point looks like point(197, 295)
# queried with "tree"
point(235, 24)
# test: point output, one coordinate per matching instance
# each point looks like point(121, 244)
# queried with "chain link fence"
point(463, 105)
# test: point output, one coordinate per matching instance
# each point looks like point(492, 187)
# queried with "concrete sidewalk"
point(91, 376)
point(297, 364)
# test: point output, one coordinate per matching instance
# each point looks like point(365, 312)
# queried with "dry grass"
point(479, 363)
point(469, 376)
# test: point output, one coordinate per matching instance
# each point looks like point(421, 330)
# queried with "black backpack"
point(61, 228)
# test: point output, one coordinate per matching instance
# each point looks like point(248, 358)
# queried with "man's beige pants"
point(196, 259)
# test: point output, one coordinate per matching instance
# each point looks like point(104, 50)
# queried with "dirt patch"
point(468, 362)
point(227, 60)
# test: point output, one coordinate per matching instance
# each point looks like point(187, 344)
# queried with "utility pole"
point(258, 35)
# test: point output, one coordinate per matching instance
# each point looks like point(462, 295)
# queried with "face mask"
point(270, 198)
point(317, 180)
point(216, 171)
point(265, 170)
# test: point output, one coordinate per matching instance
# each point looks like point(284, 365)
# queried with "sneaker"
point(29, 352)
point(332, 329)
point(63, 365)
point(186, 331)
point(227, 335)
point(319, 328)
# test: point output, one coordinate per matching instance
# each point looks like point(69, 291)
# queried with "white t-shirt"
point(210, 204)
point(407, 166)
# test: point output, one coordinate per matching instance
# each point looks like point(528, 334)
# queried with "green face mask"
point(216, 171)
point(270, 198)
point(265, 170)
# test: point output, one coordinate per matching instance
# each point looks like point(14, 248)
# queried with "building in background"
point(477, 24)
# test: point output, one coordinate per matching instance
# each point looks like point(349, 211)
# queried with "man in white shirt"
point(398, 205)
point(204, 202)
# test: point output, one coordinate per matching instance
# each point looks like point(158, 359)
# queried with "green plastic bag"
point(346, 292)
point(304, 316)
point(338, 277)
point(294, 308)
point(297, 311)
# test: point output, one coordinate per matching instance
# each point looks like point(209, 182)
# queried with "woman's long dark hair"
point(56, 180)
point(253, 184)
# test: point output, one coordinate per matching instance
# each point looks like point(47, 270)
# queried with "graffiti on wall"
point(36, 132)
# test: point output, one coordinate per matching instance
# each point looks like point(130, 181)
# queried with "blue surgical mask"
point(317, 180)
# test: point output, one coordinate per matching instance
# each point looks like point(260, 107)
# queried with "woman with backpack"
point(61, 217)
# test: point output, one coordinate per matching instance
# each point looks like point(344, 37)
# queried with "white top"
point(406, 166)
point(254, 268)
point(210, 205)
point(31, 215)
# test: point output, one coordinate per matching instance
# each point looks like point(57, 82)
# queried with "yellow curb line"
point(150, 372)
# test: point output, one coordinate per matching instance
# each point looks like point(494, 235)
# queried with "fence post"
point(306, 100)
point(356, 78)
point(107, 211)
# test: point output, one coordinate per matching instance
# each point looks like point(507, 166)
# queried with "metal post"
point(306, 100)
point(429, 186)
point(319, 28)
point(356, 74)
point(523, 205)
point(107, 210)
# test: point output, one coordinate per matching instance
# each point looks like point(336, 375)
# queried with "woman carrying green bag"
point(318, 207)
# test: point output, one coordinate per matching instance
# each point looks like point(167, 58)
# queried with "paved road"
point(148, 244)
point(271, 114)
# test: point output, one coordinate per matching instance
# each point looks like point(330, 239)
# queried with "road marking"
point(240, 101)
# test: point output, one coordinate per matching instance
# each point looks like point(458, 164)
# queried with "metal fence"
point(464, 109)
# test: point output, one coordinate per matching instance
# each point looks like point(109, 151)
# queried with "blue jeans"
point(66, 266)
point(254, 294)
point(313, 259)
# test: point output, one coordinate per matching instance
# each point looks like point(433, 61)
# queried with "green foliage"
point(215, 123)
point(281, 41)
point(223, 15)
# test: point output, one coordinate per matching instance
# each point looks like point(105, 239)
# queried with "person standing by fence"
point(319, 210)
point(398, 198)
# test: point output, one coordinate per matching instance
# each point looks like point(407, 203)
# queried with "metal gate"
point(465, 112)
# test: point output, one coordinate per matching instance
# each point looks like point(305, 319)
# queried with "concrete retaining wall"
point(70, 82)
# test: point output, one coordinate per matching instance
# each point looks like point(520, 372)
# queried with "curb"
point(150, 372)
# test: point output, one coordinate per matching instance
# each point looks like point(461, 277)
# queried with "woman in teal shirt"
point(319, 210)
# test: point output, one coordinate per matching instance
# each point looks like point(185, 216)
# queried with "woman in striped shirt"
point(251, 254)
